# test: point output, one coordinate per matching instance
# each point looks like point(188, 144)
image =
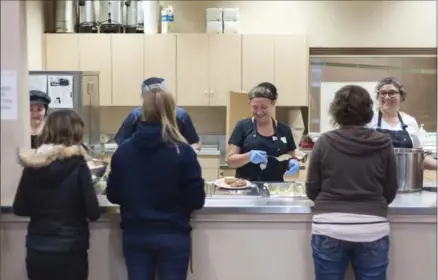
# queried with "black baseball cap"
point(39, 97)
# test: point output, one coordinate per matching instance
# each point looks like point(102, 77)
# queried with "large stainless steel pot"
point(66, 16)
point(87, 16)
point(409, 169)
point(111, 20)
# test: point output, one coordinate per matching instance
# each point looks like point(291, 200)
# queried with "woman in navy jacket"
point(156, 179)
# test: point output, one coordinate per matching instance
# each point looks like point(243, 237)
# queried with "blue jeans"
point(332, 256)
point(166, 255)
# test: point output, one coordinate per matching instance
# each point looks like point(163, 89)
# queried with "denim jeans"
point(332, 256)
point(163, 254)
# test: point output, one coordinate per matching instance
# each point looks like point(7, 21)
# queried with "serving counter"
point(248, 238)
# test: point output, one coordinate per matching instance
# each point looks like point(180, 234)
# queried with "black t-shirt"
point(246, 137)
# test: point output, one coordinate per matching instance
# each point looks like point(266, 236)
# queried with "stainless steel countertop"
point(421, 203)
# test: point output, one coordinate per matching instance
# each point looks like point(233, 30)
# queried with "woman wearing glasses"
point(402, 128)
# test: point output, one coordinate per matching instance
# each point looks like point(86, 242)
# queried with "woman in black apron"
point(390, 94)
point(399, 138)
point(255, 142)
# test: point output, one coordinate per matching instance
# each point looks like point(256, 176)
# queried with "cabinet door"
point(62, 52)
point(160, 58)
point(225, 64)
point(257, 60)
point(192, 70)
point(95, 55)
point(127, 68)
point(291, 69)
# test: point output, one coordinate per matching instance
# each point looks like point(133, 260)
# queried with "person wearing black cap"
point(39, 105)
point(184, 122)
point(255, 142)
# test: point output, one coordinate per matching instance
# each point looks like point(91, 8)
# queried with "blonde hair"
point(160, 106)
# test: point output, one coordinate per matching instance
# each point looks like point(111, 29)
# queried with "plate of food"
point(232, 183)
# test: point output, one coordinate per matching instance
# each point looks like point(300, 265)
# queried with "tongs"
point(302, 157)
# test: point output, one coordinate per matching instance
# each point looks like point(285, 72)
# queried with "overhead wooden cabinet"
point(192, 70)
point(208, 67)
point(127, 68)
point(95, 55)
point(258, 60)
point(160, 58)
point(225, 66)
point(291, 69)
point(62, 52)
point(280, 59)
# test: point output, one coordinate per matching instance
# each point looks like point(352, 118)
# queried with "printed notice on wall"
point(9, 95)
point(60, 90)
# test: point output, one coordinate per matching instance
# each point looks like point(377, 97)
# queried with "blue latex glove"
point(294, 167)
point(257, 157)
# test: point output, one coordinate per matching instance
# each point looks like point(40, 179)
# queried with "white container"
point(151, 10)
point(231, 27)
point(230, 14)
point(214, 14)
point(214, 27)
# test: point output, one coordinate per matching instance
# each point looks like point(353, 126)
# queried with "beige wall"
point(14, 133)
point(327, 23)
point(35, 30)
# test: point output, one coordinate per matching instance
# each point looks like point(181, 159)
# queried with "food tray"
point(286, 190)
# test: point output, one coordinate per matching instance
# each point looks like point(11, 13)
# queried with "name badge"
point(284, 140)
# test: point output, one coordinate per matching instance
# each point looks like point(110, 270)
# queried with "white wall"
point(327, 23)
point(35, 30)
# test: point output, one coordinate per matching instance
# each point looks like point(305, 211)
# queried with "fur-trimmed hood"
point(47, 154)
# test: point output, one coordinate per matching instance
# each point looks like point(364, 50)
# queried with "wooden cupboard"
point(210, 165)
point(97, 58)
point(62, 52)
point(201, 69)
point(280, 59)
point(208, 67)
point(127, 69)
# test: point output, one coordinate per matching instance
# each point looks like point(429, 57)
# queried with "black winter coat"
point(56, 192)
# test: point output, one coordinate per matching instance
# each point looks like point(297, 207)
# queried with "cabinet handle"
point(90, 87)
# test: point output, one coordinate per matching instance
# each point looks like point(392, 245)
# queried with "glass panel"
point(417, 74)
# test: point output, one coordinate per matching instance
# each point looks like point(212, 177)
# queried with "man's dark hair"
point(352, 105)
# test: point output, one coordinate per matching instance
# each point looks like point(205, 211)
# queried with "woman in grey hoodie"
point(352, 179)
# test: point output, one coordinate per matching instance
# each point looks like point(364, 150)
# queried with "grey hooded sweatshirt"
point(352, 170)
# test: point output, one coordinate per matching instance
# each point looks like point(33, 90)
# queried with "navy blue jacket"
point(156, 186)
point(131, 122)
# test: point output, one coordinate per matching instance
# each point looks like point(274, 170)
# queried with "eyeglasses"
point(390, 93)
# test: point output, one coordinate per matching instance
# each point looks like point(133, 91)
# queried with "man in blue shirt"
point(183, 119)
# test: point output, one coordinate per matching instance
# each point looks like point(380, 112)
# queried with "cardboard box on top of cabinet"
point(214, 14)
point(214, 27)
point(230, 14)
point(231, 27)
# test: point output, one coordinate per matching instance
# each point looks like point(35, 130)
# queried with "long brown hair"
point(63, 127)
point(160, 106)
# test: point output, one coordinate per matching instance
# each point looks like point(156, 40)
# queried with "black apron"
point(399, 138)
point(274, 145)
